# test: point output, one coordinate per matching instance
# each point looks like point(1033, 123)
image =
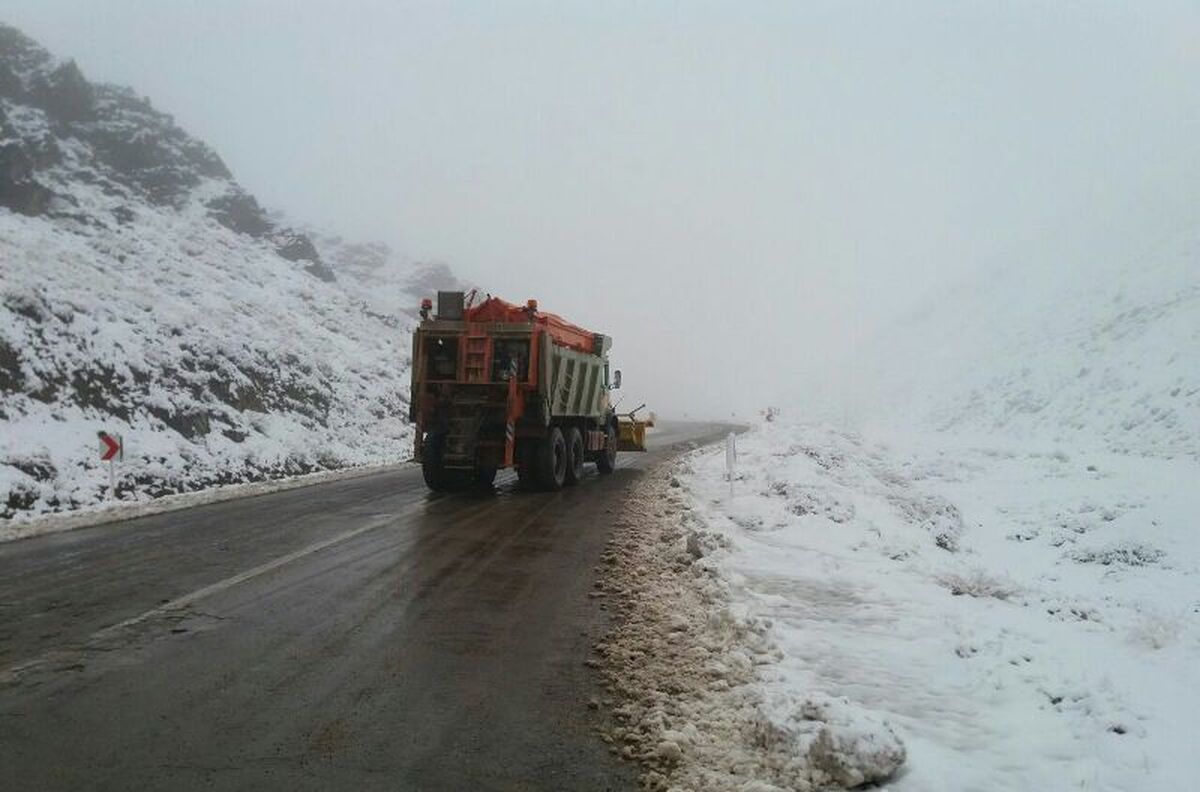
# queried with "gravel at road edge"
point(680, 664)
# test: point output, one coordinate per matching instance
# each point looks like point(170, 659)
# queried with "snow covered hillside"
point(1098, 352)
point(1001, 563)
point(371, 273)
point(1022, 616)
point(143, 292)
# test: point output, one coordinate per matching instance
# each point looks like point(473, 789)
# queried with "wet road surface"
point(359, 634)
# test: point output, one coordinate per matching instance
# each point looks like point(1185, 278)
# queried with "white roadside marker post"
point(119, 458)
point(730, 459)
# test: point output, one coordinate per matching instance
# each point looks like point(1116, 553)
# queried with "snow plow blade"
point(632, 432)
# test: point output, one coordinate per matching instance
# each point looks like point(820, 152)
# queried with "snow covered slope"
point(370, 272)
point(1006, 571)
point(143, 292)
point(1024, 618)
point(1104, 353)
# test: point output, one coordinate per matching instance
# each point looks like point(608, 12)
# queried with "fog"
point(743, 195)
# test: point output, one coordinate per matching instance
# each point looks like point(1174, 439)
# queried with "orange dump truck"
point(498, 385)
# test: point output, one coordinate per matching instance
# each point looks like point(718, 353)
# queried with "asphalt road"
point(360, 634)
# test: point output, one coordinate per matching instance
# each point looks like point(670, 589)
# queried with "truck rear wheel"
point(574, 456)
point(484, 477)
point(433, 476)
point(551, 460)
point(437, 477)
point(431, 462)
point(607, 461)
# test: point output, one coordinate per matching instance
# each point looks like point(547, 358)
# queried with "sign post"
point(730, 459)
point(112, 450)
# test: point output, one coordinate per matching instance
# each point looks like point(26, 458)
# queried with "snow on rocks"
point(683, 662)
point(993, 616)
point(851, 746)
point(219, 365)
point(143, 292)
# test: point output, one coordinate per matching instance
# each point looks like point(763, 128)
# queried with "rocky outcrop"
point(144, 292)
point(19, 190)
point(64, 94)
point(119, 140)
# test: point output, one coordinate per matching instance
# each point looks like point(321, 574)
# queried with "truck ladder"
point(476, 365)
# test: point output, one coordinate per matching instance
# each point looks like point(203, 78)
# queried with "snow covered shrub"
point(978, 584)
point(1126, 553)
point(812, 500)
point(935, 514)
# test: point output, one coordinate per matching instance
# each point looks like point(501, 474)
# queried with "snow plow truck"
point(498, 385)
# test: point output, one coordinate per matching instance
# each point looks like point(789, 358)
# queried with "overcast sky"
point(734, 191)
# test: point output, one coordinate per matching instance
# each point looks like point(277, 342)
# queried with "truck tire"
point(574, 456)
point(435, 475)
point(440, 479)
point(484, 477)
point(527, 476)
point(551, 460)
point(607, 461)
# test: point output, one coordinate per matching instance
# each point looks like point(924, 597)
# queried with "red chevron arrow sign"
point(110, 447)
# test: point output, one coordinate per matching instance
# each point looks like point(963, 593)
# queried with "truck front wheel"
point(552, 460)
point(574, 455)
point(607, 461)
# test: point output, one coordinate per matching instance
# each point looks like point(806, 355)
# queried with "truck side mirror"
point(616, 381)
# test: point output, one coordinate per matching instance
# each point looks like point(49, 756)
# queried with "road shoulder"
point(681, 664)
point(24, 527)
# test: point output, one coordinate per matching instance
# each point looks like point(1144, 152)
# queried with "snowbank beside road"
point(26, 525)
point(683, 661)
point(1024, 618)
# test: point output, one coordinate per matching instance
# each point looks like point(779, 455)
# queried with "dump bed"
point(562, 332)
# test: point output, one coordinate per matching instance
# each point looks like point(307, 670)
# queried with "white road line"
point(179, 603)
point(13, 671)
